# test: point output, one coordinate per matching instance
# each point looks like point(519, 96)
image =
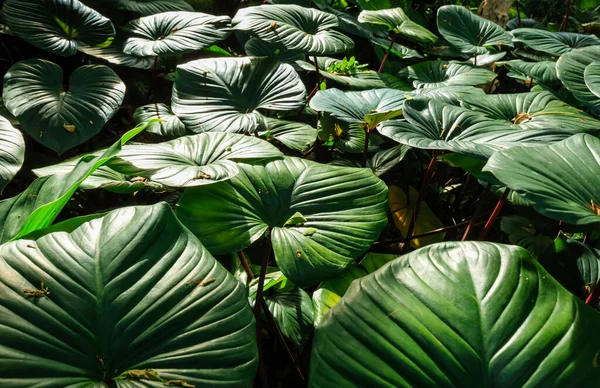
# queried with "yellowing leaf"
point(403, 208)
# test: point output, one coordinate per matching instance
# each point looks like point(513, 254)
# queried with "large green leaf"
point(57, 118)
point(570, 68)
point(170, 126)
point(114, 54)
point(554, 43)
point(534, 110)
point(297, 28)
point(529, 234)
point(103, 178)
point(255, 47)
point(293, 134)
point(468, 32)
point(368, 107)
point(294, 313)
point(436, 74)
point(225, 94)
point(562, 180)
point(193, 160)
point(39, 205)
point(591, 76)
point(151, 7)
point(543, 73)
point(470, 314)
point(381, 4)
point(12, 152)
point(120, 299)
point(448, 94)
point(435, 125)
point(341, 212)
point(174, 33)
point(397, 21)
point(58, 25)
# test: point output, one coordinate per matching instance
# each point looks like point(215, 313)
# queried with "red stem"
point(387, 54)
point(494, 215)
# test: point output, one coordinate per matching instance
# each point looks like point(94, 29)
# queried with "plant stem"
point(387, 54)
point(422, 192)
point(366, 148)
point(587, 237)
point(269, 316)
point(258, 303)
point(494, 215)
point(475, 60)
point(316, 63)
point(477, 213)
point(565, 21)
point(245, 265)
point(518, 14)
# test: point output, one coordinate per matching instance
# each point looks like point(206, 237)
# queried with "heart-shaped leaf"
point(58, 25)
point(570, 68)
point(170, 126)
point(534, 110)
point(457, 314)
point(174, 33)
point(61, 119)
point(554, 43)
point(151, 7)
point(435, 125)
point(543, 73)
point(468, 32)
point(193, 160)
point(12, 152)
point(397, 21)
point(294, 313)
point(360, 107)
point(591, 76)
point(297, 28)
point(122, 299)
point(225, 94)
point(436, 74)
point(561, 180)
point(294, 135)
point(114, 54)
point(345, 209)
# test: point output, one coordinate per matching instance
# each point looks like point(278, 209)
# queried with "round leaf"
point(12, 152)
point(534, 110)
point(469, 314)
point(344, 209)
point(468, 32)
point(436, 74)
point(554, 43)
point(224, 94)
point(591, 76)
point(297, 28)
point(192, 160)
point(58, 25)
point(131, 294)
point(561, 180)
point(174, 33)
point(543, 73)
point(570, 68)
point(359, 107)
point(151, 7)
point(435, 125)
point(171, 125)
point(61, 119)
point(397, 21)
